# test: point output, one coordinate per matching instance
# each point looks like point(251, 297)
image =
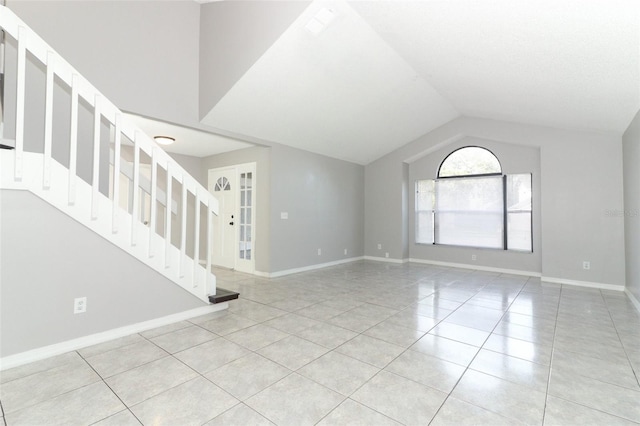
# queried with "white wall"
point(142, 55)
point(580, 179)
point(233, 36)
point(631, 211)
point(40, 280)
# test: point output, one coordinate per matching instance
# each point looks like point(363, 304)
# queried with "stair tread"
point(223, 295)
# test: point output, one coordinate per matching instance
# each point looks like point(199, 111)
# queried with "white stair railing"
point(140, 222)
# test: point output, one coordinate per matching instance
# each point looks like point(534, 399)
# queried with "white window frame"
point(427, 225)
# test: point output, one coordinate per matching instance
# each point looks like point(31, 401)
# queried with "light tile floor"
point(359, 344)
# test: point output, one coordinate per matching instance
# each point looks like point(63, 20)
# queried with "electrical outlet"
point(379, 246)
point(345, 251)
point(79, 305)
point(474, 257)
point(386, 255)
point(586, 265)
point(319, 252)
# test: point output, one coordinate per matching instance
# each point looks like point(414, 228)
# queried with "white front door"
point(234, 228)
point(222, 184)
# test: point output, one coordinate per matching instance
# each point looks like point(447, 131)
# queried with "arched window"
point(470, 161)
point(473, 204)
point(222, 185)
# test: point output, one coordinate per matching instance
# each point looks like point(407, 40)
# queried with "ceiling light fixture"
point(320, 21)
point(164, 140)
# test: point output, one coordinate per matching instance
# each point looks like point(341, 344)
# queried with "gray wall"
point(40, 281)
point(193, 166)
point(580, 180)
point(322, 196)
point(385, 208)
point(142, 55)
point(233, 36)
point(513, 159)
point(631, 212)
point(324, 199)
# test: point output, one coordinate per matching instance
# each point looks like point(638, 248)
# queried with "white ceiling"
point(188, 141)
point(383, 73)
point(570, 64)
point(344, 93)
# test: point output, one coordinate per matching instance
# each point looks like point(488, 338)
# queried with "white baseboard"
point(588, 284)
point(386, 259)
point(633, 299)
point(477, 267)
point(93, 339)
point(306, 268)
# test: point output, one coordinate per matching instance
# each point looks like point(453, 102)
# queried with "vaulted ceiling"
point(356, 80)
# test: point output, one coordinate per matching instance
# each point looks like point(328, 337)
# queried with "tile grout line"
point(357, 335)
point(54, 396)
point(171, 355)
point(168, 355)
point(361, 333)
point(479, 349)
point(553, 344)
point(380, 369)
point(291, 372)
point(377, 284)
point(425, 333)
point(348, 398)
point(243, 402)
point(112, 391)
point(574, 402)
point(198, 374)
point(408, 348)
point(624, 348)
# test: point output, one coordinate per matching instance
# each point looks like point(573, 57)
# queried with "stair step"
point(223, 295)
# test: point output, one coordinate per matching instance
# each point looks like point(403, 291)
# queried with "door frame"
point(240, 265)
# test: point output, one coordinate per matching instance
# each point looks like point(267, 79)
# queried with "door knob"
point(230, 223)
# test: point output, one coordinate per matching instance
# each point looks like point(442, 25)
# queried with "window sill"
point(474, 248)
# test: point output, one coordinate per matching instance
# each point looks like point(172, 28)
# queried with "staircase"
point(74, 149)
